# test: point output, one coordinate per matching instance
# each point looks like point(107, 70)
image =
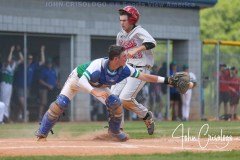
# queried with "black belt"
point(147, 66)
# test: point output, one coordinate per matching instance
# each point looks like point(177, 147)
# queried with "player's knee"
point(113, 102)
point(114, 105)
point(62, 101)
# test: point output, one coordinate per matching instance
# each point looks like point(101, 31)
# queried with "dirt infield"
point(100, 145)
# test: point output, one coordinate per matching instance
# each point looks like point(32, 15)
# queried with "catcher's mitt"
point(180, 81)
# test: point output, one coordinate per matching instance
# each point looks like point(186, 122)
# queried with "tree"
point(222, 22)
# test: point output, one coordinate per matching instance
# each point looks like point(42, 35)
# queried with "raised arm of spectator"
point(21, 59)
point(11, 54)
point(42, 61)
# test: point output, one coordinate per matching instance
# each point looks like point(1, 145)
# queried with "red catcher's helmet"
point(133, 12)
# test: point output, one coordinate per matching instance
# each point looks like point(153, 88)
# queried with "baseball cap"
point(185, 66)
point(49, 60)
point(223, 65)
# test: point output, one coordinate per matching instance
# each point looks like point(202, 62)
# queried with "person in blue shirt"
point(48, 82)
point(175, 97)
point(32, 69)
point(95, 78)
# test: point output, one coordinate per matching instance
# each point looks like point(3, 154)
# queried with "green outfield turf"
point(135, 129)
point(233, 155)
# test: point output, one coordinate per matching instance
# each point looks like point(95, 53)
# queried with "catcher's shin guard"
point(52, 115)
point(114, 107)
point(46, 125)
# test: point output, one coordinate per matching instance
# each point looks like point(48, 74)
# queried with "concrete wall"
point(82, 22)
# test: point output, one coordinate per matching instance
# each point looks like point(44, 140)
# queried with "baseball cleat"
point(121, 136)
point(40, 137)
point(150, 123)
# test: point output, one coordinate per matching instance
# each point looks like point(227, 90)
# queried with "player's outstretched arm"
point(151, 78)
point(180, 80)
point(11, 54)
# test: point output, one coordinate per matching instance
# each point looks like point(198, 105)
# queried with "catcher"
point(95, 78)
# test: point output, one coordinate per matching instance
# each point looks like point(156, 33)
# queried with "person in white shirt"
point(7, 79)
point(186, 98)
point(2, 108)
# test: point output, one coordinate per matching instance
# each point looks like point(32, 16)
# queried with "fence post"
point(25, 78)
point(217, 78)
point(168, 73)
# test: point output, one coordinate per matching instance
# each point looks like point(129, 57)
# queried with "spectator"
point(186, 98)
point(2, 108)
point(175, 98)
point(2, 105)
point(163, 90)
point(154, 94)
point(224, 95)
point(48, 82)
point(234, 93)
point(7, 80)
point(32, 68)
point(163, 72)
point(0, 67)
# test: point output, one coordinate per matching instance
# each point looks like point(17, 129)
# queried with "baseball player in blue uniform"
point(95, 78)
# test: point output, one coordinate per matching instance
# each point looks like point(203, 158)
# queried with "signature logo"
point(204, 138)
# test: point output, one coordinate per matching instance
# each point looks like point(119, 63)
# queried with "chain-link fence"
point(220, 79)
point(158, 95)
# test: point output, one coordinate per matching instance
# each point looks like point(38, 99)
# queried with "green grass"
point(135, 129)
point(165, 129)
point(26, 130)
point(233, 155)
